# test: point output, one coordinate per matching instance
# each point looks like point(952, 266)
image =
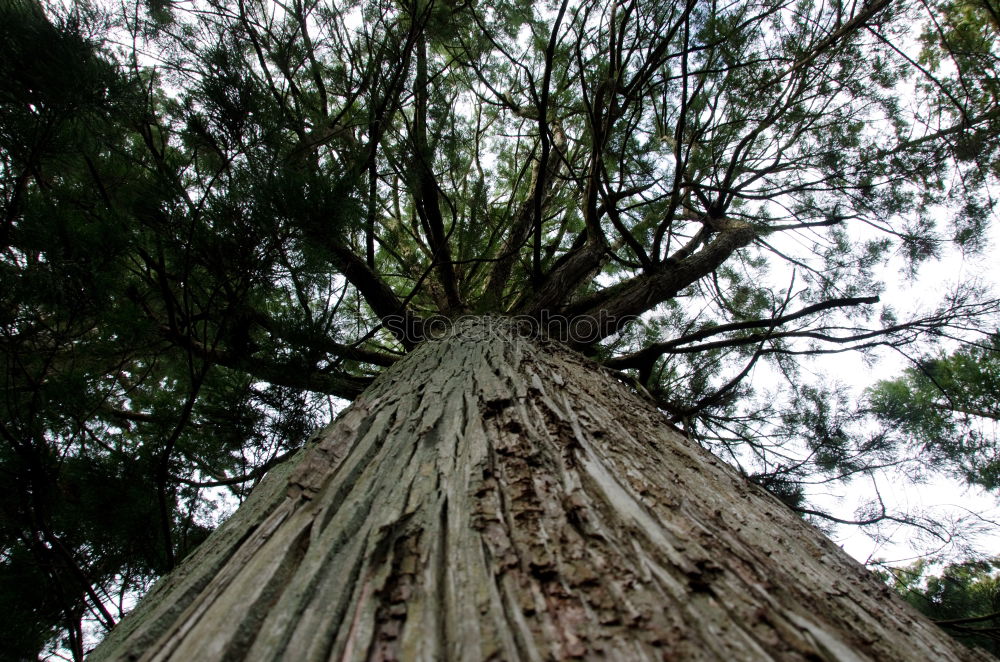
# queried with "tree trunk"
point(495, 497)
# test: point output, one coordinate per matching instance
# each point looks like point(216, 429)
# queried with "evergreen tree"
point(217, 217)
point(946, 410)
point(964, 599)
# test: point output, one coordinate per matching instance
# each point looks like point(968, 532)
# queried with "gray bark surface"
point(495, 497)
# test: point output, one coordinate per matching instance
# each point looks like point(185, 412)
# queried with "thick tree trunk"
point(497, 497)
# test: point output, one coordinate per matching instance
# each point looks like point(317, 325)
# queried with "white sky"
point(941, 497)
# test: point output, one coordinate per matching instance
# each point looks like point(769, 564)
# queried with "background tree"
point(963, 599)
point(218, 216)
point(946, 409)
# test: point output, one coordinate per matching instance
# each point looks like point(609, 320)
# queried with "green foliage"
point(946, 410)
point(96, 415)
point(964, 599)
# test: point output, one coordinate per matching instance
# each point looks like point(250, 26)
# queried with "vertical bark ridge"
point(494, 497)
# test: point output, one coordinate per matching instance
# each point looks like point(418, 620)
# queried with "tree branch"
point(615, 306)
point(652, 352)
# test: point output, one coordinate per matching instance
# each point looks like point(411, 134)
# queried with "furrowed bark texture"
point(493, 497)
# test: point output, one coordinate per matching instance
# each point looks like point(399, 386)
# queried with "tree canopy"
point(220, 215)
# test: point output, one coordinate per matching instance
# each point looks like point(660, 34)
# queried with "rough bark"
point(497, 497)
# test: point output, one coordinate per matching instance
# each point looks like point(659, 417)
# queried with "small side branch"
point(649, 354)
